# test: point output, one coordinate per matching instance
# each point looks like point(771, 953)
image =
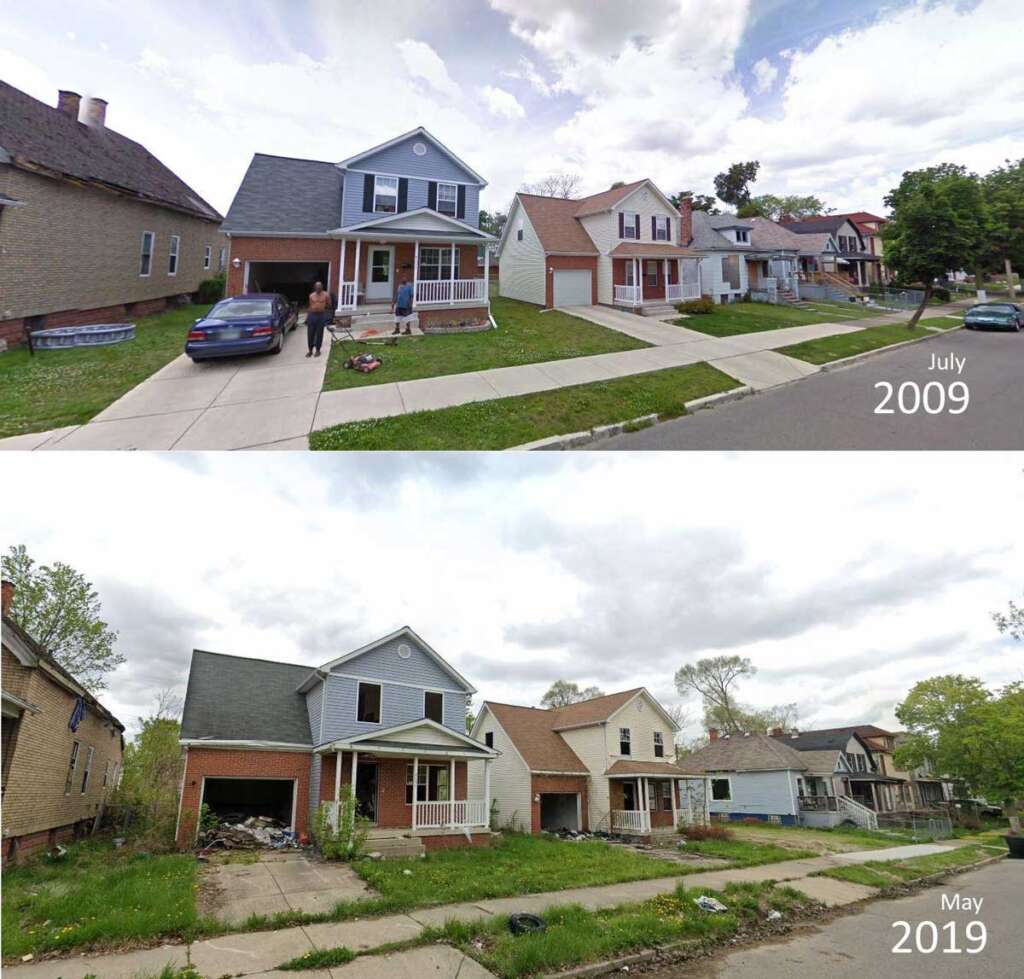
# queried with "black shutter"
point(636, 221)
point(432, 195)
point(403, 194)
point(368, 193)
point(461, 212)
point(654, 228)
point(622, 226)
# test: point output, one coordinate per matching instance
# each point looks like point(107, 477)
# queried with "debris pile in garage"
point(248, 834)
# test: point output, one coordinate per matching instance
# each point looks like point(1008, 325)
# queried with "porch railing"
point(676, 291)
point(459, 812)
point(631, 821)
point(818, 803)
point(347, 296)
point(858, 813)
point(627, 294)
point(450, 291)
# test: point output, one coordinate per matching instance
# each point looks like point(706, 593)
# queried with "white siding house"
point(521, 271)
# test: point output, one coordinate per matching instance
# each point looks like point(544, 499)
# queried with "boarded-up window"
point(731, 270)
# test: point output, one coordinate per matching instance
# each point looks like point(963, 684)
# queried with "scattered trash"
point(525, 924)
point(239, 833)
point(375, 855)
point(27, 958)
point(57, 853)
point(774, 915)
point(706, 903)
point(407, 873)
point(118, 842)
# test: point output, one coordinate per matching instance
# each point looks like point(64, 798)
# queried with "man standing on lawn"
point(316, 318)
point(403, 307)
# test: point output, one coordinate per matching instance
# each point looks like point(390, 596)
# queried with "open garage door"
point(235, 799)
point(292, 279)
point(560, 810)
point(572, 288)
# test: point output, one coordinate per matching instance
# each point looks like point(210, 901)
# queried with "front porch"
point(773, 278)
point(654, 276)
point(644, 805)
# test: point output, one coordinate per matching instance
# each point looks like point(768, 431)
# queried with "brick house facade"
point(56, 780)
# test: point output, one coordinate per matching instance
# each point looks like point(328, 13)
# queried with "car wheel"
point(280, 345)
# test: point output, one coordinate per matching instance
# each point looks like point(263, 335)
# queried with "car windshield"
point(994, 308)
point(237, 309)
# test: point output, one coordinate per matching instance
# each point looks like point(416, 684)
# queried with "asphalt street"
point(836, 409)
point(859, 945)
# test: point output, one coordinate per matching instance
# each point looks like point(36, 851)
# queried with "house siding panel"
point(642, 722)
point(522, 270)
point(591, 749)
point(384, 663)
point(314, 699)
point(757, 794)
point(510, 778)
point(712, 283)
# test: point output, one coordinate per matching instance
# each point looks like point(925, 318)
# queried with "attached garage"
point(572, 287)
point(234, 799)
point(292, 279)
point(560, 810)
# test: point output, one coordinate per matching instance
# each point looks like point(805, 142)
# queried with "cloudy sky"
point(834, 99)
point(845, 578)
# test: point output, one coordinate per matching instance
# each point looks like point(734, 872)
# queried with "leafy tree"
point(938, 223)
point(715, 680)
point(60, 610)
point(617, 185)
point(968, 733)
point(789, 208)
point(1004, 196)
point(470, 716)
point(743, 718)
point(733, 185)
point(699, 202)
point(562, 693)
point(493, 224)
point(1011, 622)
point(564, 185)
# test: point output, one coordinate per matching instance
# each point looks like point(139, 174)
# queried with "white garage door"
point(572, 288)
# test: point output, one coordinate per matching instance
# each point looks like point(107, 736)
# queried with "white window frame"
point(667, 799)
point(207, 256)
point(659, 742)
point(454, 201)
point(174, 255)
point(629, 225)
point(151, 236)
point(88, 769)
point(625, 737)
point(519, 230)
point(663, 233)
point(444, 262)
point(721, 778)
point(380, 700)
point(651, 272)
point(222, 259)
point(439, 693)
point(423, 778)
point(76, 747)
point(743, 236)
point(377, 192)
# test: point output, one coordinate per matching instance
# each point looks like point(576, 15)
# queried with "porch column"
point(640, 279)
point(487, 792)
point(666, 279)
point(415, 273)
point(679, 275)
point(355, 287)
point(337, 775)
point(487, 275)
point(451, 287)
point(700, 281)
point(674, 786)
point(647, 804)
point(355, 762)
point(341, 275)
point(451, 791)
point(415, 786)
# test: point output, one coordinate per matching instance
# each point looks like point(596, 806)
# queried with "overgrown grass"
point(745, 853)
point(839, 838)
point(826, 349)
point(96, 897)
point(319, 958)
point(888, 873)
point(68, 387)
point(843, 311)
point(731, 319)
point(525, 335)
point(506, 422)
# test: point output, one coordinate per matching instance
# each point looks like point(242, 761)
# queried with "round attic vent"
point(404, 652)
point(420, 149)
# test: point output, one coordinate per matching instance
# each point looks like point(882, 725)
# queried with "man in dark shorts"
point(316, 318)
point(403, 307)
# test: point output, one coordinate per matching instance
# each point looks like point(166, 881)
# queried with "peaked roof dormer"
point(350, 162)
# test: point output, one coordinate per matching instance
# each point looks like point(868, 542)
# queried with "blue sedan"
point(250, 324)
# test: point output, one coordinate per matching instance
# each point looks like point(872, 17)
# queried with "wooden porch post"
point(337, 774)
point(341, 274)
point(640, 278)
point(355, 287)
point(415, 273)
point(355, 762)
point(487, 792)
point(451, 791)
point(415, 786)
point(487, 275)
point(700, 281)
point(451, 288)
point(646, 819)
point(665, 273)
point(674, 786)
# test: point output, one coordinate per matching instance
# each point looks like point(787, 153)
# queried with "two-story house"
point(279, 739)
point(842, 253)
point(406, 210)
point(602, 764)
point(623, 247)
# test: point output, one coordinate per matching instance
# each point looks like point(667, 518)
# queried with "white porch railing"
point(771, 283)
point(676, 291)
point(631, 821)
point(450, 291)
point(860, 814)
point(347, 296)
point(460, 812)
point(627, 294)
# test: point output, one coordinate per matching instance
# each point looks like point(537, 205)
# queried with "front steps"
point(391, 843)
point(661, 309)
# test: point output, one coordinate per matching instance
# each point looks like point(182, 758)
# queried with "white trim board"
point(418, 131)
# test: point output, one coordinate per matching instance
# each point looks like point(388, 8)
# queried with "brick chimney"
point(69, 103)
point(8, 595)
point(685, 221)
point(713, 733)
point(96, 113)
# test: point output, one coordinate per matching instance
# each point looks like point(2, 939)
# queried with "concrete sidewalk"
point(248, 953)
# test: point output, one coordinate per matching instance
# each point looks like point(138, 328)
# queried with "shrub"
point(348, 841)
point(712, 831)
point(941, 292)
point(212, 289)
point(703, 305)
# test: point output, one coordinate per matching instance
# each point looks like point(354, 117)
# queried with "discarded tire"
point(525, 924)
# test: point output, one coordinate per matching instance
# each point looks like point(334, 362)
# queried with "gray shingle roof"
point(233, 698)
point(769, 236)
point(755, 753)
point(705, 231)
point(282, 195)
point(43, 136)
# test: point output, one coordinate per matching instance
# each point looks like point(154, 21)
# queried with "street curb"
point(599, 432)
point(868, 354)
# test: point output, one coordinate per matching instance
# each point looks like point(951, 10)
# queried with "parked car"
point(250, 324)
point(995, 316)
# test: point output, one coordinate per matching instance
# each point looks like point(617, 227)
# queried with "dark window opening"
point(489, 739)
point(721, 790)
point(369, 703)
point(432, 783)
point(433, 706)
point(233, 800)
point(624, 741)
point(659, 745)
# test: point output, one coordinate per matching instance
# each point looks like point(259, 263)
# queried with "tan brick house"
point(62, 749)
point(93, 227)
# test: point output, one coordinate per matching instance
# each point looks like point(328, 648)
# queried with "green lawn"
point(68, 387)
point(844, 311)
point(506, 422)
point(942, 322)
point(887, 873)
point(827, 349)
point(525, 335)
point(838, 840)
point(97, 896)
point(731, 319)
point(745, 853)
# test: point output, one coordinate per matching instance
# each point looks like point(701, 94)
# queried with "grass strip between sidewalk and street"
point(827, 349)
point(734, 319)
point(891, 873)
point(506, 422)
point(942, 322)
point(745, 853)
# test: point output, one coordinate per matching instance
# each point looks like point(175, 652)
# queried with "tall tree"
point(561, 693)
point(970, 734)
point(493, 222)
point(733, 185)
point(715, 680)
point(1004, 196)
point(564, 185)
point(938, 223)
point(792, 207)
point(699, 202)
point(58, 607)
point(1011, 622)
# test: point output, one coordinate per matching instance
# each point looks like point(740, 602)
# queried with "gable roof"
point(605, 200)
point(707, 227)
point(767, 235)
point(825, 222)
point(40, 137)
point(541, 748)
point(283, 195)
point(399, 223)
point(418, 131)
point(821, 761)
point(554, 220)
point(834, 737)
point(235, 698)
point(385, 739)
point(756, 753)
point(663, 768)
point(592, 711)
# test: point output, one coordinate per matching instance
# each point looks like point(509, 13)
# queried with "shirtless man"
point(316, 318)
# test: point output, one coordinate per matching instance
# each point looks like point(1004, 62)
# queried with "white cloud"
point(502, 103)
point(527, 71)
point(765, 74)
point(422, 61)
